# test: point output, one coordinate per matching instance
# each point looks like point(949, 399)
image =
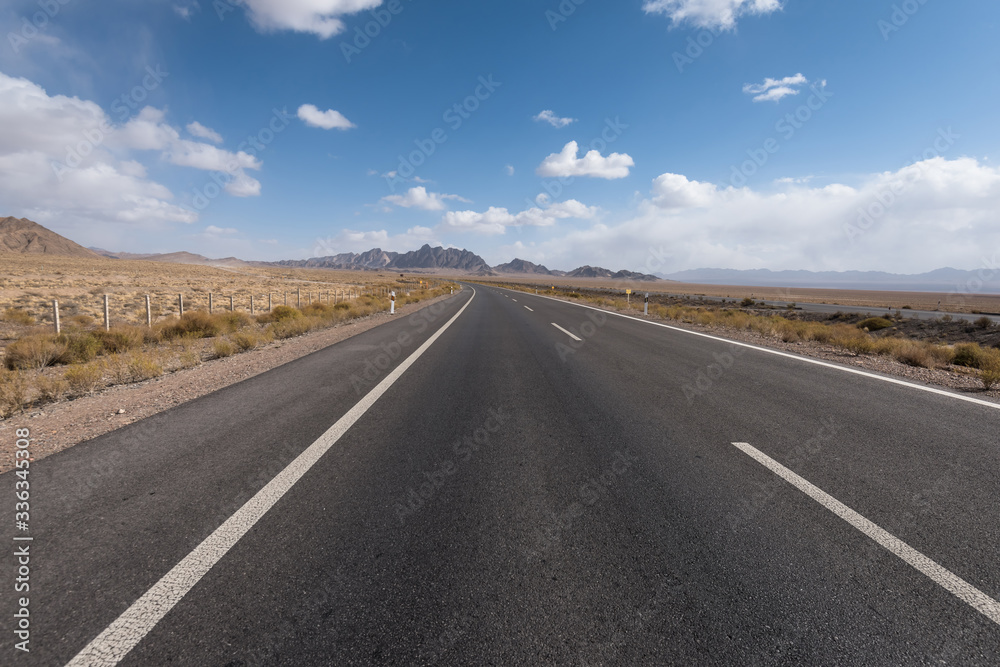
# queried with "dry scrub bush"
point(131, 367)
point(13, 392)
point(223, 347)
point(17, 316)
point(50, 388)
point(83, 379)
point(34, 351)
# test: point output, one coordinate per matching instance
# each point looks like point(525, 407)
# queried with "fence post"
point(298, 297)
point(232, 309)
point(180, 304)
point(209, 303)
point(107, 315)
point(269, 302)
point(149, 313)
point(286, 298)
point(55, 314)
point(251, 304)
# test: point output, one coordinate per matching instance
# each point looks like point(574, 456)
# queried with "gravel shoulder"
point(63, 424)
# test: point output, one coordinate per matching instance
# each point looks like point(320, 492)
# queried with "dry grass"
point(130, 353)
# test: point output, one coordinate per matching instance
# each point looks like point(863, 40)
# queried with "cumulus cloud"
point(318, 17)
point(350, 240)
point(772, 90)
point(509, 169)
point(718, 14)
point(418, 197)
point(566, 164)
point(327, 120)
point(196, 129)
point(496, 220)
point(548, 116)
point(63, 159)
point(933, 213)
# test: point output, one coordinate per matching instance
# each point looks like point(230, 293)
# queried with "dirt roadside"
point(60, 425)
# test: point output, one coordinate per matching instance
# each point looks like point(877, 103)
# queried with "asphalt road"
point(513, 496)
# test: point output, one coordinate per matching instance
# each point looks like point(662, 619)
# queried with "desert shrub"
point(83, 379)
point(223, 347)
point(319, 310)
point(33, 351)
point(81, 346)
point(233, 321)
point(971, 355)
point(856, 345)
point(122, 339)
point(17, 316)
point(280, 314)
point(81, 320)
point(874, 323)
point(291, 328)
point(983, 322)
point(250, 339)
point(194, 324)
point(13, 392)
point(132, 367)
point(990, 376)
point(50, 388)
point(747, 302)
point(913, 354)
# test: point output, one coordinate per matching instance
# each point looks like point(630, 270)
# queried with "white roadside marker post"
point(645, 305)
point(149, 313)
point(55, 315)
point(107, 315)
point(392, 303)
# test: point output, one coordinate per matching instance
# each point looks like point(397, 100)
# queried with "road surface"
point(509, 479)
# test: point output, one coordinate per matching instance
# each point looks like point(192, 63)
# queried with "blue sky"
point(731, 133)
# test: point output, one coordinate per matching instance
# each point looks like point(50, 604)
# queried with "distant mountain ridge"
point(23, 236)
point(939, 280)
point(426, 257)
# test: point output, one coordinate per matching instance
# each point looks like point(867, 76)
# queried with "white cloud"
point(318, 17)
point(548, 116)
point(566, 164)
point(509, 169)
point(719, 14)
point(212, 230)
point(496, 220)
point(418, 197)
point(327, 120)
point(62, 159)
point(57, 162)
point(198, 130)
point(928, 215)
point(676, 191)
point(772, 90)
point(187, 10)
point(349, 240)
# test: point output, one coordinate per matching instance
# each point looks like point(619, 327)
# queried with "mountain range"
point(20, 235)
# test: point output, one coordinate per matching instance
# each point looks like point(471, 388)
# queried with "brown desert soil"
point(60, 425)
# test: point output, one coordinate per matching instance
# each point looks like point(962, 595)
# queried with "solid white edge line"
point(109, 647)
point(573, 336)
point(951, 582)
point(817, 362)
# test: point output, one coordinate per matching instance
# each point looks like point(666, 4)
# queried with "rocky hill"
point(21, 235)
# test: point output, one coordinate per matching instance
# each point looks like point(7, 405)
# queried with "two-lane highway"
point(513, 479)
